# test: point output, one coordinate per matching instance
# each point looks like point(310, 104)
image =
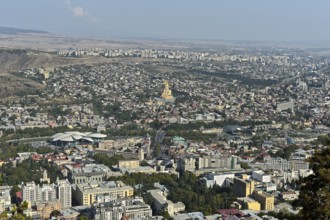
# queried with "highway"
point(29, 140)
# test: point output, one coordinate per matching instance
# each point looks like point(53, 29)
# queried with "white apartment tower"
point(64, 193)
point(33, 193)
point(29, 192)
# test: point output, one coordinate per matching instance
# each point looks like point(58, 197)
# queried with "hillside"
point(13, 60)
point(11, 30)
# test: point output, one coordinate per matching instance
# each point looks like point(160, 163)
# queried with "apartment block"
point(86, 194)
point(243, 187)
point(266, 200)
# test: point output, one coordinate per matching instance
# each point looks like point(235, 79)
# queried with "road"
point(29, 140)
point(159, 136)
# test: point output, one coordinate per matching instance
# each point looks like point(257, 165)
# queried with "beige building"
point(266, 200)
point(130, 164)
point(162, 204)
point(86, 194)
point(251, 204)
point(45, 208)
point(243, 187)
point(193, 163)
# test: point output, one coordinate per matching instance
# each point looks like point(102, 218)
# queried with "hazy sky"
point(269, 20)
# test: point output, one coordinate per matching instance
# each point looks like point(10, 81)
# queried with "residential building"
point(162, 204)
point(5, 198)
point(266, 200)
point(250, 203)
point(64, 193)
point(243, 187)
point(86, 194)
point(44, 209)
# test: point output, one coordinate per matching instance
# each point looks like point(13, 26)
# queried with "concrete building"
point(212, 179)
point(127, 208)
point(284, 165)
point(266, 200)
point(61, 191)
point(29, 192)
point(44, 209)
point(250, 203)
point(243, 187)
point(86, 194)
point(130, 164)
point(46, 193)
point(193, 163)
point(187, 164)
point(162, 204)
point(33, 193)
point(64, 193)
point(260, 176)
point(82, 178)
point(270, 187)
point(5, 198)
point(88, 173)
point(217, 162)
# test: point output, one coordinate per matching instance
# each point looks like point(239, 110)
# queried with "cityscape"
point(154, 129)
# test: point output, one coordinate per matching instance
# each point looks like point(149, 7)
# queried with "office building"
point(260, 176)
point(243, 187)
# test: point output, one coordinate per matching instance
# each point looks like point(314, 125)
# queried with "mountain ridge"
point(13, 30)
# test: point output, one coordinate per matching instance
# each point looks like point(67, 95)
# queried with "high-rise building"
point(29, 192)
point(64, 193)
point(34, 193)
point(46, 193)
point(243, 187)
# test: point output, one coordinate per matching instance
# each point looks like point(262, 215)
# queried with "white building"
point(161, 203)
point(260, 176)
point(5, 198)
point(33, 193)
point(219, 179)
point(116, 210)
point(64, 193)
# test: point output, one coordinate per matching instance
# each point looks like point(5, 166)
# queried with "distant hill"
point(11, 30)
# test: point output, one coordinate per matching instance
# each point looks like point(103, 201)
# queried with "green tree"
point(314, 194)
point(83, 217)
point(157, 150)
point(54, 213)
point(245, 165)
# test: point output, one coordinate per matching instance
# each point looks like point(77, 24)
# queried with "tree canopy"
point(187, 189)
point(315, 189)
